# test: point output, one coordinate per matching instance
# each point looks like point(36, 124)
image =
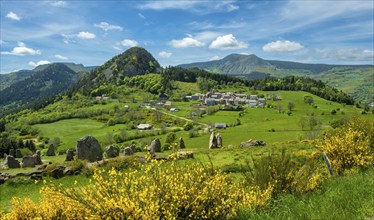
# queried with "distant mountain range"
point(27, 86)
point(8, 79)
point(356, 80)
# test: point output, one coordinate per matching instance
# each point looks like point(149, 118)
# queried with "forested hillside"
point(45, 83)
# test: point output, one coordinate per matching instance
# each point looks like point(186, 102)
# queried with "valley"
point(297, 118)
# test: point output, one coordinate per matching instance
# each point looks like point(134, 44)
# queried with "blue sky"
point(176, 32)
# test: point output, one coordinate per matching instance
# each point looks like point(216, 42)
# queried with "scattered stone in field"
point(51, 151)
point(42, 167)
point(88, 148)
point(155, 146)
point(181, 155)
point(37, 159)
point(129, 150)
point(18, 153)
point(251, 142)
point(11, 163)
point(5, 155)
point(68, 172)
point(28, 161)
point(219, 141)
point(133, 148)
point(69, 155)
point(2, 180)
point(181, 143)
point(38, 153)
point(111, 151)
point(212, 141)
point(11, 152)
point(36, 177)
point(60, 153)
point(58, 172)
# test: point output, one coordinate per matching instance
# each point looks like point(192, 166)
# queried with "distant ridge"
point(356, 80)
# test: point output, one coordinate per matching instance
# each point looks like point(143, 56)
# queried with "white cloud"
point(215, 58)
point(86, 35)
point(129, 43)
point(164, 54)
point(41, 62)
point(227, 42)
point(186, 42)
point(117, 48)
point(282, 46)
point(141, 16)
point(232, 7)
point(13, 16)
point(163, 5)
point(22, 50)
point(203, 7)
point(59, 3)
point(108, 27)
point(346, 54)
point(61, 57)
point(2, 42)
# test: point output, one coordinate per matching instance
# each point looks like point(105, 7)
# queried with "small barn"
point(220, 125)
point(145, 126)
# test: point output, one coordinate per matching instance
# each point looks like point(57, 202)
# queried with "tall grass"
point(342, 197)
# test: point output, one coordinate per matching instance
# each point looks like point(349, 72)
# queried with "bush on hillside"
point(284, 173)
point(350, 145)
point(155, 191)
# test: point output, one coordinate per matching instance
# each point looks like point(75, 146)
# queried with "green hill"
point(47, 82)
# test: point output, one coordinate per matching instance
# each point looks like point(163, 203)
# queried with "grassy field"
point(277, 129)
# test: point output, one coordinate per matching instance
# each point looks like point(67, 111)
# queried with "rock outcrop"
point(251, 142)
point(155, 146)
point(212, 141)
point(51, 150)
point(10, 162)
point(69, 155)
point(88, 148)
point(181, 143)
point(111, 151)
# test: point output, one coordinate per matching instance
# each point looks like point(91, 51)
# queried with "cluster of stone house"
point(229, 99)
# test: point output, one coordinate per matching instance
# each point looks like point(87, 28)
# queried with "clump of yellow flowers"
point(351, 145)
point(156, 190)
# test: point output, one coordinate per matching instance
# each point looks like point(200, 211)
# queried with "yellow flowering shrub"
point(284, 173)
point(158, 190)
point(348, 147)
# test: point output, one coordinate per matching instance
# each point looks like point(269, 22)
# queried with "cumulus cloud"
point(129, 43)
point(282, 46)
point(215, 58)
point(22, 50)
point(164, 54)
point(186, 42)
point(61, 57)
point(108, 27)
point(41, 62)
point(86, 35)
point(13, 16)
point(227, 42)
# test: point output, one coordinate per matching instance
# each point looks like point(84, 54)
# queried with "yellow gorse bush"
point(350, 145)
point(158, 190)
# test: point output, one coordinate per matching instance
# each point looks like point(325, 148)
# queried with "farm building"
point(220, 125)
point(145, 126)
